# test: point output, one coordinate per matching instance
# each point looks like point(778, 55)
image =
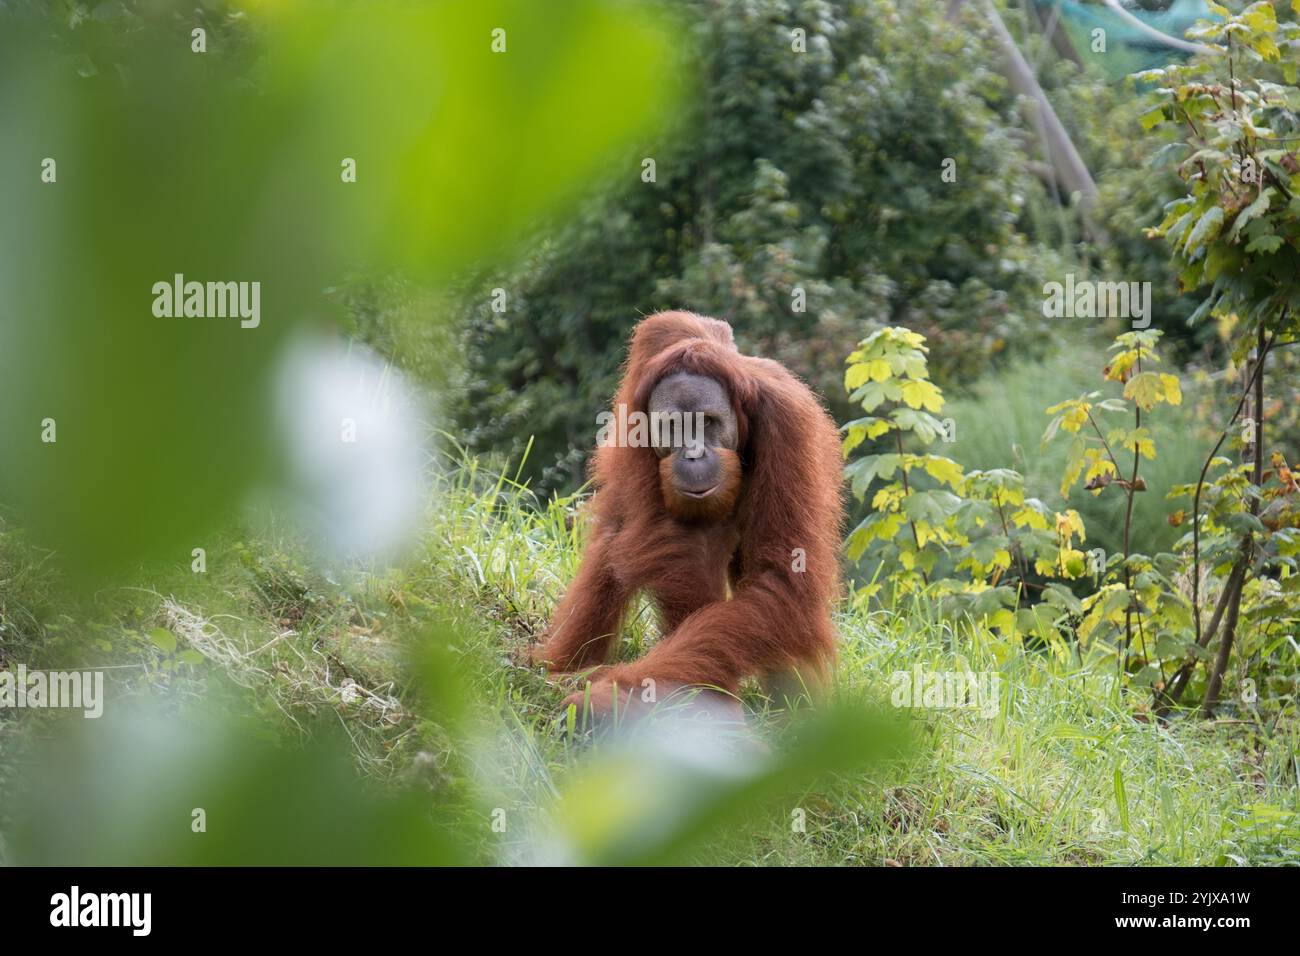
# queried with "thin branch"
point(1200, 483)
point(1174, 690)
point(1105, 444)
point(1230, 628)
point(1130, 492)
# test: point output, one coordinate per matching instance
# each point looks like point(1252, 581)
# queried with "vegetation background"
point(389, 683)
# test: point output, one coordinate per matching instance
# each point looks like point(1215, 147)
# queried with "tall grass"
point(1063, 773)
point(1059, 773)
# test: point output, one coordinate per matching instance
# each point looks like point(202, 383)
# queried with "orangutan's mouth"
point(701, 494)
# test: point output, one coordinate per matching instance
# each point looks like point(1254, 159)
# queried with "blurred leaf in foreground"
point(130, 160)
point(132, 789)
point(670, 787)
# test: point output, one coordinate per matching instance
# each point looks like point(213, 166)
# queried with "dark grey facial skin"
point(677, 398)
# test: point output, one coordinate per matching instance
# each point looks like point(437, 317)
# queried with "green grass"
point(1062, 773)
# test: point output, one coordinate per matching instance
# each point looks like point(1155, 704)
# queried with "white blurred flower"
point(355, 447)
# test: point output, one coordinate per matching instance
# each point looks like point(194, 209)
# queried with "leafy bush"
point(1235, 234)
point(970, 538)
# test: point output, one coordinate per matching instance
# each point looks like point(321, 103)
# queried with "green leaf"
point(163, 639)
point(868, 468)
point(1063, 731)
point(1207, 227)
point(932, 506)
point(924, 425)
point(873, 370)
point(1267, 244)
point(1260, 17)
point(1121, 799)
point(873, 394)
point(1257, 208)
point(944, 469)
point(922, 394)
point(1243, 522)
point(1060, 596)
point(1052, 428)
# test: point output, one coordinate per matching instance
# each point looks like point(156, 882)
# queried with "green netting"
point(1128, 49)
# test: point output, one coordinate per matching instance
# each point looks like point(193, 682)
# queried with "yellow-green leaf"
point(922, 394)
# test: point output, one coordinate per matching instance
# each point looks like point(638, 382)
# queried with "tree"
point(859, 174)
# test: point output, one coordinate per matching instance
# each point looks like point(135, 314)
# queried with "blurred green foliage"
point(225, 165)
point(672, 788)
point(163, 780)
point(145, 787)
